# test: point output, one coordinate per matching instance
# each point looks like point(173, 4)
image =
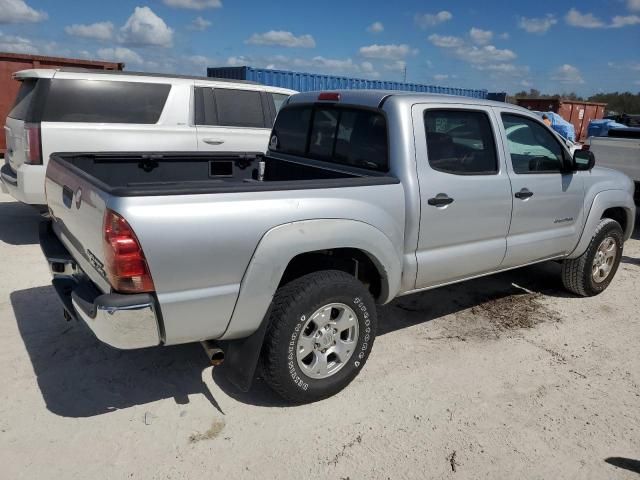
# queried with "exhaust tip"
point(215, 354)
point(217, 358)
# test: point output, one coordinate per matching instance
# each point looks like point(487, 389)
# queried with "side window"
point(460, 142)
point(205, 107)
point(101, 101)
point(239, 108)
point(532, 147)
point(278, 100)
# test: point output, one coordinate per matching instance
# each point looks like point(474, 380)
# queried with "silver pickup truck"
point(281, 258)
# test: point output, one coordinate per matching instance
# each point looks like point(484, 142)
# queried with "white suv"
point(70, 110)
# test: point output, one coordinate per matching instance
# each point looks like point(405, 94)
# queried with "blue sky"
point(555, 46)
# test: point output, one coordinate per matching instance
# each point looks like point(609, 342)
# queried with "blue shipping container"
point(305, 82)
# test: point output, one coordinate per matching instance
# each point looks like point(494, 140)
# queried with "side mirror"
point(583, 160)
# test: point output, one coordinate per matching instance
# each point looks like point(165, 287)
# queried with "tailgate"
point(77, 210)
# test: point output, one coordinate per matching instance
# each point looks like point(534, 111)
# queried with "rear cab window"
point(349, 136)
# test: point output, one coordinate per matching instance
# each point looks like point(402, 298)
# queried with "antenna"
point(404, 74)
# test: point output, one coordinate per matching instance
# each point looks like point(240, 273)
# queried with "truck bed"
point(200, 217)
point(172, 173)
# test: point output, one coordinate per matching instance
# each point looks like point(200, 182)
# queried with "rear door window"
point(23, 100)
point(99, 101)
point(239, 108)
point(348, 136)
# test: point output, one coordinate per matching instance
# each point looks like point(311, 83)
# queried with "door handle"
point(523, 194)
point(213, 141)
point(440, 200)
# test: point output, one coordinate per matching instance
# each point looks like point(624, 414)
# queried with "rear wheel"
point(592, 272)
point(321, 330)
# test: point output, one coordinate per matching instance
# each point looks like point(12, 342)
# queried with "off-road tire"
point(576, 272)
point(295, 302)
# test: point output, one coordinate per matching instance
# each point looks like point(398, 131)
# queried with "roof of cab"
point(375, 98)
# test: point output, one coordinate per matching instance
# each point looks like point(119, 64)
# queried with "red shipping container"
point(578, 113)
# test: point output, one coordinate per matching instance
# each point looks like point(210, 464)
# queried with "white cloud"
point(193, 4)
point(634, 66)
point(623, 21)
point(583, 20)
point(486, 54)
point(15, 44)
point(526, 83)
point(375, 27)
point(589, 20)
point(441, 77)
point(145, 28)
point(504, 69)
point(199, 24)
point(200, 61)
point(98, 30)
point(17, 11)
point(386, 52)
point(426, 20)
point(504, 36)
point(238, 61)
point(567, 74)
point(537, 25)
point(446, 41)
point(120, 54)
point(367, 67)
point(479, 36)
point(633, 5)
point(397, 66)
point(282, 39)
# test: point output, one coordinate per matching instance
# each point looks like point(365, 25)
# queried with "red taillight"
point(125, 265)
point(33, 147)
point(329, 96)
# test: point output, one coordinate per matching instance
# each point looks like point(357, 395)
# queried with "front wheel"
point(321, 330)
point(592, 272)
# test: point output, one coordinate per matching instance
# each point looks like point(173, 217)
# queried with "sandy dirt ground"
point(502, 377)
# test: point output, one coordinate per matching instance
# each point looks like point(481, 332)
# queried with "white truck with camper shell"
point(281, 258)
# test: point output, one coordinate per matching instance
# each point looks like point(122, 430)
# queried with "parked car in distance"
point(363, 196)
point(620, 150)
point(75, 110)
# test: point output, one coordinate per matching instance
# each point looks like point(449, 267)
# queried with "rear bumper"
point(120, 320)
point(26, 184)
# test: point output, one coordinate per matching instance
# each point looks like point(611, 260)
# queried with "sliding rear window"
point(345, 135)
point(99, 101)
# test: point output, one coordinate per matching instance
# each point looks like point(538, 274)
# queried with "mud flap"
point(241, 356)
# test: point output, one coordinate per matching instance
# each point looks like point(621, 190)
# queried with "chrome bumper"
point(124, 324)
point(124, 321)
